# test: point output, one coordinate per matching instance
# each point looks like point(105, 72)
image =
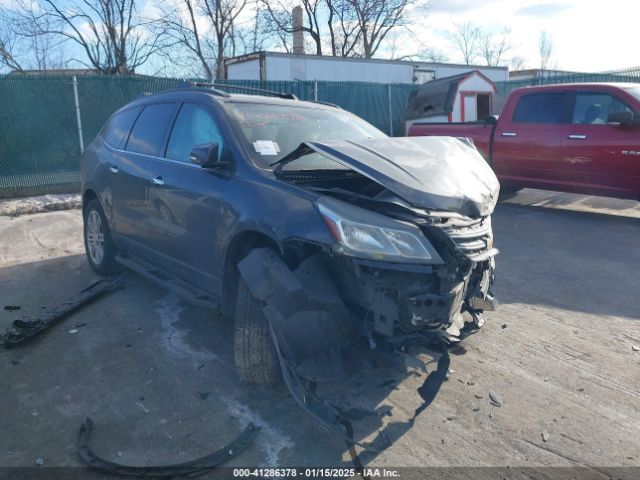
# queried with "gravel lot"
point(156, 375)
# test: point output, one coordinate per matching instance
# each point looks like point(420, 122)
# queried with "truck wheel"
point(255, 354)
point(508, 192)
point(98, 245)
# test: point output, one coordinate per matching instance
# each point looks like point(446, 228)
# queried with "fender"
point(303, 306)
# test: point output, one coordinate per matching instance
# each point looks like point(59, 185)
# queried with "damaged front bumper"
point(319, 309)
point(327, 302)
point(398, 302)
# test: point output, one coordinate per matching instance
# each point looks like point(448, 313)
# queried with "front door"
point(188, 209)
point(600, 157)
point(527, 146)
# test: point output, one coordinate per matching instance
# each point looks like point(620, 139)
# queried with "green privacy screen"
point(39, 141)
point(39, 144)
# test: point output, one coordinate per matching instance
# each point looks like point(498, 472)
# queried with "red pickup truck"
point(582, 138)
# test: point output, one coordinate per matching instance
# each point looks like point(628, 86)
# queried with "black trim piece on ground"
point(192, 468)
point(22, 330)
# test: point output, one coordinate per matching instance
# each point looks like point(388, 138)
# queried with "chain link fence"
point(39, 130)
point(629, 75)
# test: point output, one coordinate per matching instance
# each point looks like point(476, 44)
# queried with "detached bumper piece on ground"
point(192, 468)
point(23, 330)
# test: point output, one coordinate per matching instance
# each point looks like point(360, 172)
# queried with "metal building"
point(284, 66)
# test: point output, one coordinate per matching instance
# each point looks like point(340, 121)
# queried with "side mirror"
point(206, 155)
point(622, 118)
point(491, 119)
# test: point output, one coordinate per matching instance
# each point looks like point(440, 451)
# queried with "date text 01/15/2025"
point(313, 472)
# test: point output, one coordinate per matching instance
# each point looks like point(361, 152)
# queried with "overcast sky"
point(588, 35)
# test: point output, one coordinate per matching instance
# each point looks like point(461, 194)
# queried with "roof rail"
point(190, 84)
point(217, 87)
point(326, 103)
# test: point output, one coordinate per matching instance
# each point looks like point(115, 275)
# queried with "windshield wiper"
point(300, 151)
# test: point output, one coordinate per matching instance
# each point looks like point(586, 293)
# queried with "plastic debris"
point(495, 399)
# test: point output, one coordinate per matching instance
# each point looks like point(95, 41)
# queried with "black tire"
point(508, 192)
point(104, 264)
point(255, 354)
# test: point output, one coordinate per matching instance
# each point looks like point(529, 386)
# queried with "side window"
point(593, 108)
point(193, 126)
point(540, 108)
point(148, 131)
point(117, 130)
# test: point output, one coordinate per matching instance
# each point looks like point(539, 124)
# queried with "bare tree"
point(376, 18)
point(179, 20)
point(8, 45)
point(545, 49)
point(493, 46)
point(24, 41)
point(518, 63)
point(280, 22)
point(112, 35)
point(465, 38)
point(431, 54)
point(45, 49)
point(222, 15)
point(206, 29)
point(344, 33)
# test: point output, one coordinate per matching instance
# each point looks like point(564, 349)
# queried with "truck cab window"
point(540, 108)
point(593, 108)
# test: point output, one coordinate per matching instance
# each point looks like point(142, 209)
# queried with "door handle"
point(113, 170)
point(575, 136)
point(157, 181)
point(509, 134)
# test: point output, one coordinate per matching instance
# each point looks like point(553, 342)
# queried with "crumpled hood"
point(440, 173)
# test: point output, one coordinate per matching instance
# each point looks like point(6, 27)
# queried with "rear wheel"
point(255, 354)
point(98, 245)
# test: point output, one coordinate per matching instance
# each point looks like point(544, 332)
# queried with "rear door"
point(188, 207)
point(115, 185)
point(527, 145)
point(601, 156)
point(136, 175)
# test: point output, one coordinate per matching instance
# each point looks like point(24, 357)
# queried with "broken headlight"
point(365, 234)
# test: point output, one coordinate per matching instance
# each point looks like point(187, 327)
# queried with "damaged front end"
point(409, 263)
point(402, 301)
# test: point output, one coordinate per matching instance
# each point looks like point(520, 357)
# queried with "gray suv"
point(306, 225)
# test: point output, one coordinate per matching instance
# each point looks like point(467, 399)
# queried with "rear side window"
point(540, 108)
point(117, 130)
point(148, 132)
point(193, 126)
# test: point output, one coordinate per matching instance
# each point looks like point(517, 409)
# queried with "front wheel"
point(98, 245)
point(255, 354)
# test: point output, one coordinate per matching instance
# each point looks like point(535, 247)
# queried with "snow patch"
point(44, 203)
point(274, 440)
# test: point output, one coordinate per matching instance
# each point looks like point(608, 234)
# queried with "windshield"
point(274, 131)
